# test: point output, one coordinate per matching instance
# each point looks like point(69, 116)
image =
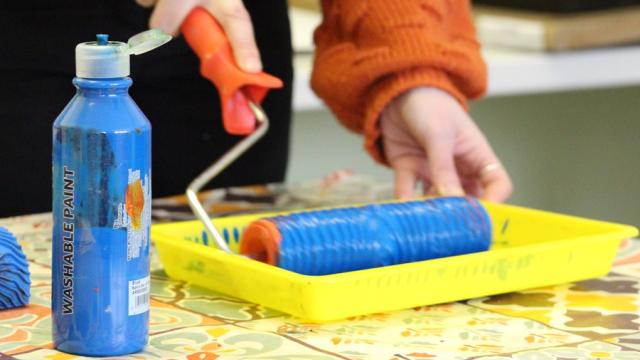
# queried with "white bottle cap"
point(102, 58)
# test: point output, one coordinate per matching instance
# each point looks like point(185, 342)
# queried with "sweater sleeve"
point(370, 51)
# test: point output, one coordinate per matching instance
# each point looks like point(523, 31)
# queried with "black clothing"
point(37, 63)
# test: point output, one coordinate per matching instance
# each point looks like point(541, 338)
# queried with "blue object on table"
point(102, 206)
point(338, 240)
point(14, 272)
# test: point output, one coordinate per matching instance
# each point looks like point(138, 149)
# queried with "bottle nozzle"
point(102, 39)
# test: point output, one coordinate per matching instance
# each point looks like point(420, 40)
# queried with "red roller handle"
point(235, 86)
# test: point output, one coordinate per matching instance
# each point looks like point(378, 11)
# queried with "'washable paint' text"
point(68, 232)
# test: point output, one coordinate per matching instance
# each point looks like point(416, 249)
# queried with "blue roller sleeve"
point(14, 272)
point(340, 240)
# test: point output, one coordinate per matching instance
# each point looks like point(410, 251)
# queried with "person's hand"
point(168, 15)
point(428, 137)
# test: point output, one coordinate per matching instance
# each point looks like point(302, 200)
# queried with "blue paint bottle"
point(102, 205)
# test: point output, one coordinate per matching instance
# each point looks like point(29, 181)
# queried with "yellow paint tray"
point(530, 249)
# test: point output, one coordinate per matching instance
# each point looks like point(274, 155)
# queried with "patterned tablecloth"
point(594, 319)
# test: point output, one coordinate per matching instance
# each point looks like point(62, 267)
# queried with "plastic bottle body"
point(102, 215)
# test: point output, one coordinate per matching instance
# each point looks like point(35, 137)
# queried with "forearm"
point(369, 52)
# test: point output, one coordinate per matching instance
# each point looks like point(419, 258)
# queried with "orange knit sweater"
point(370, 51)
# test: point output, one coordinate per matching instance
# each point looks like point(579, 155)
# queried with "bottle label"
point(138, 296)
point(134, 214)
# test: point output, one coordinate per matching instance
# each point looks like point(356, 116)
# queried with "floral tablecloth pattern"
point(593, 319)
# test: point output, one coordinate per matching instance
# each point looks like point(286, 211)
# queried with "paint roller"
point(325, 241)
point(330, 241)
point(241, 94)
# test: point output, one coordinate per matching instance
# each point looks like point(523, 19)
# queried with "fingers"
point(431, 115)
point(449, 144)
point(146, 3)
point(427, 189)
point(399, 149)
point(497, 185)
point(442, 168)
point(484, 166)
point(234, 18)
point(236, 22)
point(168, 15)
point(405, 183)
point(471, 186)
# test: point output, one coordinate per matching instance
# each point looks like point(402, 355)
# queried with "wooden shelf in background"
point(540, 31)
